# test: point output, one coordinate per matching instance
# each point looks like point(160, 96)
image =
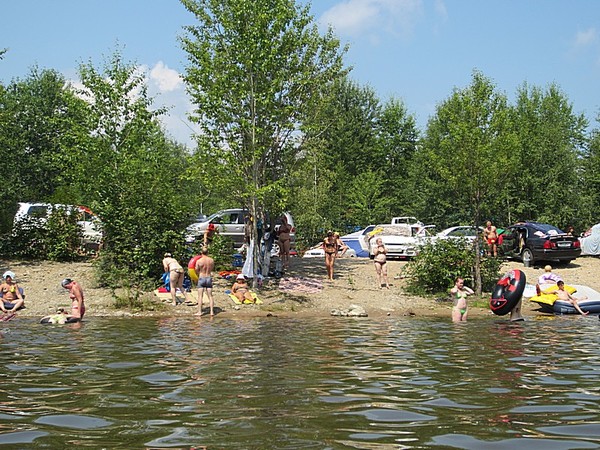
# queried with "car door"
point(510, 242)
point(232, 226)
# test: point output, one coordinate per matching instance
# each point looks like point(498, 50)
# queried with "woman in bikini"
point(330, 246)
point(241, 290)
point(176, 276)
point(380, 259)
point(12, 298)
point(459, 296)
point(283, 237)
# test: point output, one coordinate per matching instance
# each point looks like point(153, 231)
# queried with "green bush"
point(439, 263)
point(59, 239)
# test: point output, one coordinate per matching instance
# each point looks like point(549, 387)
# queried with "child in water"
point(459, 295)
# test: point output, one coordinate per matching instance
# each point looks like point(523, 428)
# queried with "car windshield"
point(549, 230)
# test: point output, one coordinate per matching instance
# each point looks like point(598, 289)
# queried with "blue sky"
point(414, 50)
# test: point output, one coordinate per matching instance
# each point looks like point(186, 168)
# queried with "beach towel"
point(256, 301)
point(300, 285)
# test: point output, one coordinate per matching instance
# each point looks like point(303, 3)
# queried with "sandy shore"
point(354, 284)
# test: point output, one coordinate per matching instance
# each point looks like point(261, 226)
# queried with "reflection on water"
point(290, 384)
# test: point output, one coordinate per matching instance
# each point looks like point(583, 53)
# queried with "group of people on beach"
point(459, 293)
point(13, 298)
point(204, 267)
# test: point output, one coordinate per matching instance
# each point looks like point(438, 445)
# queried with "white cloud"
point(353, 17)
point(587, 37)
point(166, 79)
point(440, 9)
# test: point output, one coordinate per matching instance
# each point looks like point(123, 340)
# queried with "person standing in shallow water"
point(459, 294)
point(76, 296)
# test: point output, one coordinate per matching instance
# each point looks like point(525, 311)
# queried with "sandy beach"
point(306, 292)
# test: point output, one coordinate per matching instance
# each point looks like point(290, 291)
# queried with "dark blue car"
point(533, 241)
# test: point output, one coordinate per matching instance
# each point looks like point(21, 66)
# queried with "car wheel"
point(527, 257)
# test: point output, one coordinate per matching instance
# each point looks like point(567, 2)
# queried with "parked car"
point(401, 241)
point(467, 232)
point(231, 223)
point(36, 215)
point(533, 241)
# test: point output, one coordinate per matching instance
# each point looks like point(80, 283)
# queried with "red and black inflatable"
point(508, 292)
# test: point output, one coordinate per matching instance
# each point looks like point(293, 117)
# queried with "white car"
point(36, 214)
point(401, 241)
point(318, 252)
point(468, 232)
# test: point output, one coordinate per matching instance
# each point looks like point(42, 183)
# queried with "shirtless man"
point(490, 235)
point(565, 296)
point(204, 268)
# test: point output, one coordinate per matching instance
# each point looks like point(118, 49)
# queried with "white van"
point(37, 214)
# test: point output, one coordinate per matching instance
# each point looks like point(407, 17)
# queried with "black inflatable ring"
point(508, 292)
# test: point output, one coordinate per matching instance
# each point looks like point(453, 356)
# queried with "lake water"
point(275, 383)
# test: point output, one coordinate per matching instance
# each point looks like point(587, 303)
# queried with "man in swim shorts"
point(490, 235)
point(204, 268)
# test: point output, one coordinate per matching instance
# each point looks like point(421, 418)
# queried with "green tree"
point(466, 146)
point(545, 164)
point(36, 116)
point(134, 177)
point(256, 72)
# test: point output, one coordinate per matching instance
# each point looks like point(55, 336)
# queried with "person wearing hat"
point(76, 296)
point(12, 298)
point(241, 290)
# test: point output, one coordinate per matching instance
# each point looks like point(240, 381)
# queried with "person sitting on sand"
point(12, 299)
point(565, 296)
point(459, 294)
point(241, 290)
point(548, 277)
